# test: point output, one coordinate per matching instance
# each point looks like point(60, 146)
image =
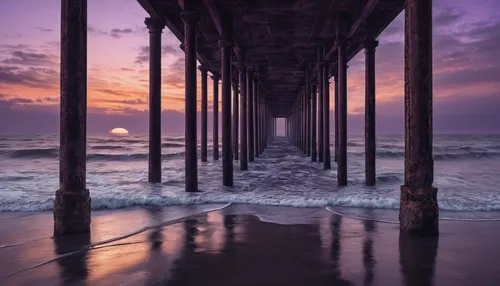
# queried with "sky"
point(466, 62)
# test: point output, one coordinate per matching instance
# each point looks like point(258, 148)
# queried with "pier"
point(274, 60)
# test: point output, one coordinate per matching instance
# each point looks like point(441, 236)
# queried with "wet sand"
point(244, 245)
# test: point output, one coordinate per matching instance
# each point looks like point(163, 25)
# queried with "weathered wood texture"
point(72, 200)
point(204, 113)
point(279, 37)
point(227, 150)
point(215, 121)
point(419, 211)
point(190, 18)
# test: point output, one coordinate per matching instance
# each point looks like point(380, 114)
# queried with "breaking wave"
point(118, 201)
point(54, 153)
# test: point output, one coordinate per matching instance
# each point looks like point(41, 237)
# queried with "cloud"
point(143, 56)
point(33, 77)
point(115, 32)
point(18, 57)
point(122, 93)
point(7, 102)
point(95, 31)
point(166, 50)
point(42, 29)
point(447, 15)
point(28, 65)
point(18, 100)
point(137, 101)
point(118, 33)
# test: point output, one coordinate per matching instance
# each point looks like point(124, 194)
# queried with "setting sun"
point(118, 131)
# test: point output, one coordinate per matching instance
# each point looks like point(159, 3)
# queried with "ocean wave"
point(438, 156)
point(53, 153)
point(34, 153)
point(100, 202)
point(108, 147)
point(171, 145)
point(129, 157)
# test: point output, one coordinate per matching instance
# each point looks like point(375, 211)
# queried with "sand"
point(244, 245)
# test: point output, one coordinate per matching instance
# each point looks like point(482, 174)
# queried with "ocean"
point(466, 174)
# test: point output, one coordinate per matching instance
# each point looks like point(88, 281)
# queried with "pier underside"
point(279, 39)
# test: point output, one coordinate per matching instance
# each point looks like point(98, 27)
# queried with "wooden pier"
point(279, 56)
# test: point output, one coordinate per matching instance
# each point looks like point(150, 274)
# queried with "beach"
point(244, 245)
point(285, 222)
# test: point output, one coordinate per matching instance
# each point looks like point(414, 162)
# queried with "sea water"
point(466, 174)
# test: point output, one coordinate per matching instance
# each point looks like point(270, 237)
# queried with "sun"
point(118, 131)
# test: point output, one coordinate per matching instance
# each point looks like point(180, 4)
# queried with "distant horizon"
point(220, 134)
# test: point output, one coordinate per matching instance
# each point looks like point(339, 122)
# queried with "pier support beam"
point(314, 107)
point(204, 113)
point(72, 200)
point(418, 213)
point(320, 112)
point(342, 112)
point(309, 113)
point(190, 17)
point(155, 27)
point(215, 111)
point(327, 164)
point(370, 177)
point(256, 116)
point(243, 117)
point(307, 120)
point(227, 152)
point(336, 118)
point(236, 116)
point(251, 140)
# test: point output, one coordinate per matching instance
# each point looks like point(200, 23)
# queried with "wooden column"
point(190, 17)
point(309, 113)
point(299, 122)
point(261, 119)
point(342, 112)
point(204, 113)
point(370, 134)
point(320, 112)
point(155, 27)
point(243, 117)
point(336, 118)
point(215, 113)
point(327, 161)
point(275, 127)
point(418, 213)
point(251, 140)
point(227, 152)
point(236, 116)
point(256, 116)
point(72, 200)
point(304, 122)
point(313, 123)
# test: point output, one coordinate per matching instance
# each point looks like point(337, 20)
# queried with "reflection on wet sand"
point(73, 268)
point(368, 257)
point(418, 259)
point(236, 248)
point(335, 252)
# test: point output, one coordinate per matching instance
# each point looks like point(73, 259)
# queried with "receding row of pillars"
point(418, 210)
point(313, 106)
point(418, 202)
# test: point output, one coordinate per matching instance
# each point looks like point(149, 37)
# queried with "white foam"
point(280, 177)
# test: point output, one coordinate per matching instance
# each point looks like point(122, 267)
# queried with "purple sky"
point(466, 70)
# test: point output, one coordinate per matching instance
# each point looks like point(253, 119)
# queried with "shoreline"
point(342, 210)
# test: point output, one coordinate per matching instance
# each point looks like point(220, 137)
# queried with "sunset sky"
point(466, 69)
